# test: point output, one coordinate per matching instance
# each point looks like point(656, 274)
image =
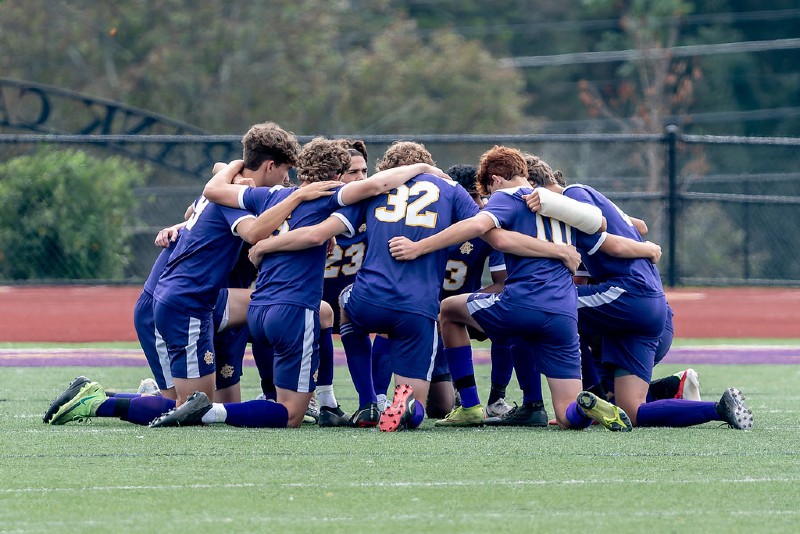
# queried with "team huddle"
point(394, 264)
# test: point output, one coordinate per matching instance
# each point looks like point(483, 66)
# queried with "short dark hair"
point(464, 175)
point(268, 141)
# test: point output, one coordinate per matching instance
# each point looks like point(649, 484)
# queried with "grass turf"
point(119, 477)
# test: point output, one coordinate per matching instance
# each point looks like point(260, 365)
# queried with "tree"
point(65, 215)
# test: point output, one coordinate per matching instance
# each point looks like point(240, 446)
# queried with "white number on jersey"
point(411, 211)
point(455, 275)
point(356, 254)
point(197, 210)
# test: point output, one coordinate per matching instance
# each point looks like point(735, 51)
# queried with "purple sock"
point(502, 362)
point(127, 395)
point(577, 417)
point(530, 381)
point(417, 416)
point(459, 359)
point(381, 365)
point(325, 372)
point(145, 408)
point(676, 413)
point(358, 349)
point(256, 414)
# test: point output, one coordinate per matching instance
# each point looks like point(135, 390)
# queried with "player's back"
point(203, 258)
point(421, 207)
point(637, 275)
point(536, 283)
point(293, 277)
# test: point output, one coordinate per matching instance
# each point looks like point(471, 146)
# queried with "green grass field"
point(116, 477)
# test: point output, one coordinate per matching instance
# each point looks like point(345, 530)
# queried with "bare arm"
point(524, 245)
point(623, 247)
point(220, 189)
point(299, 239)
point(385, 180)
point(404, 249)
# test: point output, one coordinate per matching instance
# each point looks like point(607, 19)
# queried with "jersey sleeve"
point(353, 216)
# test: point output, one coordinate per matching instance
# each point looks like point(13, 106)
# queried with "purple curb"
point(722, 355)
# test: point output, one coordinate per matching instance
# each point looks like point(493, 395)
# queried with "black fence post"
point(672, 200)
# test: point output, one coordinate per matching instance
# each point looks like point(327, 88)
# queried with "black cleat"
point(190, 413)
point(331, 417)
point(529, 414)
point(367, 417)
point(732, 409)
point(72, 390)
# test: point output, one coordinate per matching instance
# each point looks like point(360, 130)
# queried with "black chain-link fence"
point(726, 210)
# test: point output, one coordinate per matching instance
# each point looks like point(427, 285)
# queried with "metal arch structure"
point(126, 130)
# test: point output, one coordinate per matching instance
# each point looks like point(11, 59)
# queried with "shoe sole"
point(741, 415)
point(67, 395)
point(619, 423)
point(392, 418)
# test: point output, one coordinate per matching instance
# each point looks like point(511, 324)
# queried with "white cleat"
point(148, 386)
point(498, 408)
point(689, 388)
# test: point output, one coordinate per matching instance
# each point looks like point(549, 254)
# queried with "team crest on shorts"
point(226, 371)
point(208, 357)
point(466, 248)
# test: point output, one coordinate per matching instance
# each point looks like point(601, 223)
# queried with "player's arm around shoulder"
point(624, 247)
point(404, 249)
point(384, 181)
point(221, 188)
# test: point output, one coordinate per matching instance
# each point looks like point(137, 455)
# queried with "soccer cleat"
point(383, 403)
point(732, 409)
point(529, 414)
point(333, 417)
point(82, 406)
point(689, 387)
point(148, 386)
point(610, 416)
point(311, 416)
point(367, 417)
point(398, 414)
point(67, 395)
point(190, 413)
point(463, 417)
point(498, 408)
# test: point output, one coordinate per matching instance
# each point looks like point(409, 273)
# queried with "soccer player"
point(538, 302)
point(627, 308)
point(464, 273)
point(285, 304)
point(400, 300)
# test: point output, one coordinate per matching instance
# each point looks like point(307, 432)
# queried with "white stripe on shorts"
point(482, 303)
point(598, 299)
point(192, 366)
point(304, 380)
point(163, 359)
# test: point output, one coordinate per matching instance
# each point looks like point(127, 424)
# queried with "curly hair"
point(404, 153)
point(354, 144)
point(321, 160)
point(501, 161)
point(464, 175)
point(268, 141)
point(540, 173)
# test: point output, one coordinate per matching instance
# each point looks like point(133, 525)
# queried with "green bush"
point(65, 215)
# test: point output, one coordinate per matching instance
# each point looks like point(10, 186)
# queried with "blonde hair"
point(404, 153)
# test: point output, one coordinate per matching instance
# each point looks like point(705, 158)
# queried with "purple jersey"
point(637, 276)
point(201, 262)
point(158, 268)
point(465, 263)
point(342, 264)
point(423, 206)
point(291, 277)
point(536, 283)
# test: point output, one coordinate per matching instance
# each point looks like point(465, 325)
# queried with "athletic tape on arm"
point(584, 217)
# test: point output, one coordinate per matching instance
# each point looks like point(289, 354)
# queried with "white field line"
point(389, 484)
